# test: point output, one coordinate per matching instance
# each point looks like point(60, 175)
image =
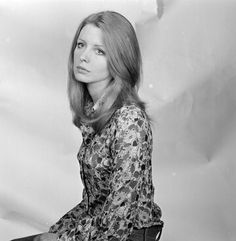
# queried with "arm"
point(130, 144)
point(63, 226)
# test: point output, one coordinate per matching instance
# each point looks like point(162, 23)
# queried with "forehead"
point(91, 34)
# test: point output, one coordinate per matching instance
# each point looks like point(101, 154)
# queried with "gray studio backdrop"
point(189, 57)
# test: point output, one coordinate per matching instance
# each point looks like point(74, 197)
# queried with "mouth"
point(82, 69)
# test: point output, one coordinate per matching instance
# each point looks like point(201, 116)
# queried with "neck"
point(96, 89)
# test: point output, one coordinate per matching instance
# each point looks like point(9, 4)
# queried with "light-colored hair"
point(124, 65)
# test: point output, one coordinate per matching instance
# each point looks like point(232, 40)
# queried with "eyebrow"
point(96, 45)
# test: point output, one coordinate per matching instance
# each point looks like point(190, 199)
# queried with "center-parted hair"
point(124, 64)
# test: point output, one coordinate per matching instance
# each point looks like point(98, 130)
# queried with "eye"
point(80, 45)
point(100, 52)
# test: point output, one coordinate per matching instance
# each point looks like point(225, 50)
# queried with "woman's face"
point(90, 61)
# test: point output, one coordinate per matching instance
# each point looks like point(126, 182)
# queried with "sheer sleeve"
point(73, 223)
point(129, 148)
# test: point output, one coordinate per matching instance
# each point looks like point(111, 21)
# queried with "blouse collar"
point(90, 108)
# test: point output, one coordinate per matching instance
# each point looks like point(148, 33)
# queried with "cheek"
point(102, 66)
point(76, 56)
point(105, 67)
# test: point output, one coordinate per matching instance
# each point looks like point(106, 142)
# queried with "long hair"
point(124, 65)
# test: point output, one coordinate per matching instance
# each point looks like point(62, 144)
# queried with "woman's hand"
point(46, 237)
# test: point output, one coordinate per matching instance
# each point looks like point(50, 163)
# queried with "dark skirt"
point(152, 233)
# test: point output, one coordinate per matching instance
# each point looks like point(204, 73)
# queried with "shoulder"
point(131, 117)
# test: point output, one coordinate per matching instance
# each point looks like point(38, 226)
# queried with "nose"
point(84, 55)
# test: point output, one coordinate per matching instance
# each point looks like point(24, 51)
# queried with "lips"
point(82, 69)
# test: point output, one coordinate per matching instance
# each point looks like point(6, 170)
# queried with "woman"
point(115, 156)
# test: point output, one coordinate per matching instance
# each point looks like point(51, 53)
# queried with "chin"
point(81, 79)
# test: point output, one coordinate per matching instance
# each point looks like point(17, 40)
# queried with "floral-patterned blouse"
point(116, 171)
